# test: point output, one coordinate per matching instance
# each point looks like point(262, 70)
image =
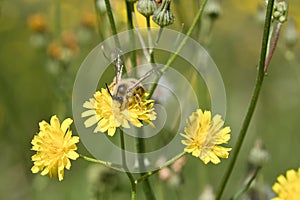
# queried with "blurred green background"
point(35, 85)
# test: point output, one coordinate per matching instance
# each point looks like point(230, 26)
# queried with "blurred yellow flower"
point(37, 22)
point(203, 136)
point(288, 188)
point(54, 146)
point(108, 115)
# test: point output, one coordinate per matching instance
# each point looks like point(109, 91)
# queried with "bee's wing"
point(139, 81)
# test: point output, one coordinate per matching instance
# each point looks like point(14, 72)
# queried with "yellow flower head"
point(203, 136)
point(288, 188)
point(107, 114)
point(54, 146)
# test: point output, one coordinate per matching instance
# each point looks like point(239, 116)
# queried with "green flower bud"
point(163, 16)
point(146, 7)
point(280, 11)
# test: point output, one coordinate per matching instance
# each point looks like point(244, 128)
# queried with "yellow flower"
point(203, 136)
point(54, 146)
point(288, 188)
point(108, 115)
point(37, 23)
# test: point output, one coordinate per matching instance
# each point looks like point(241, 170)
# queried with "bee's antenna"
point(108, 89)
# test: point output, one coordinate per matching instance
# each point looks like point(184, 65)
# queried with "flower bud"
point(213, 9)
point(280, 11)
point(258, 154)
point(163, 16)
point(146, 7)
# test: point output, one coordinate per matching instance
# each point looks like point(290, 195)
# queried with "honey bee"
point(126, 90)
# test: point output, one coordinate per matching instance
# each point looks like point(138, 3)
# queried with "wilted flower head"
point(108, 115)
point(54, 146)
point(203, 136)
point(288, 188)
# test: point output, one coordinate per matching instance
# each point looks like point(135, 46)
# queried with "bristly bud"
point(280, 11)
point(146, 7)
point(163, 16)
point(258, 154)
point(213, 9)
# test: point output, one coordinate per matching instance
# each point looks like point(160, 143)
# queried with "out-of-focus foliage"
point(31, 92)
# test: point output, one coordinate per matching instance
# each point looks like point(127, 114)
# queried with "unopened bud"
point(258, 154)
point(146, 7)
point(213, 9)
point(280, 11)
point(163, 16)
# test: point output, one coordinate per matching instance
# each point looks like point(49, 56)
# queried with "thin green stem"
point(112, 22)
point(130, 10)
point(99, 19)
point(108, 164)
point(181, 45)
point(247, 185)
point(150, 42)
point(129, 175)
point(140, 146)
point(248, 117)
point(169, 162)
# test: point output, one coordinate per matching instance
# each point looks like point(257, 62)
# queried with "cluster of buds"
point(63, 51)
point(172, 174)
point(159, 10)
point(280, 11)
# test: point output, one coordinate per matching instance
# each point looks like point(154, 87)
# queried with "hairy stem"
point(248, 117)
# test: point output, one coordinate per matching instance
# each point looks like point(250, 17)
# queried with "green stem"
point(151, 52)
point(247, 185)
point(130, 10)
point(259, 81)
point(140, 145)
point(107, 164)
point(169, 162)
point(112, 22)
point(181, 45)
point(129, 175)
point(99, 19)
